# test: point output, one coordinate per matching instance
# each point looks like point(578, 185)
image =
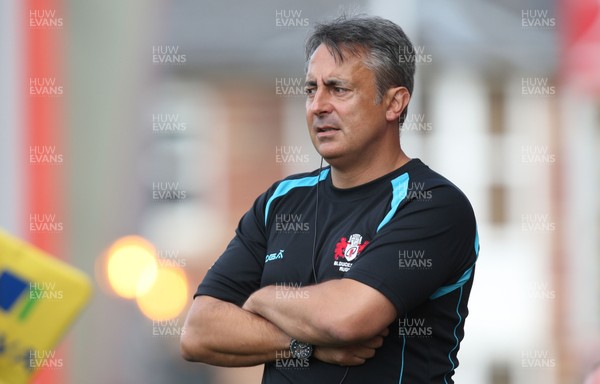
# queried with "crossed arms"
point(344, 332)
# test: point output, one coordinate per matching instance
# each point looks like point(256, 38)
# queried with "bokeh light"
point(168, 295)
point(131, 266)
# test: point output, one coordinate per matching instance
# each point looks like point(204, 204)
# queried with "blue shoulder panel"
point(287, 185)
point(399, 191)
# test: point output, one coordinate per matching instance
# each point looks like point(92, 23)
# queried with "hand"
point(247, 305)
point(349, 355)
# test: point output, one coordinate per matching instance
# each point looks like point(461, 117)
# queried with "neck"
point(367, 171)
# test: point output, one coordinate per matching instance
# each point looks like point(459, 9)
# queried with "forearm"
point(320, 315)
point(220, 333)
point(299, 315)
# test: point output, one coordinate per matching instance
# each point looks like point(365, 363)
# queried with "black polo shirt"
point(410, 234)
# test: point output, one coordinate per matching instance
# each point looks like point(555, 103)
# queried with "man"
point(374, 287)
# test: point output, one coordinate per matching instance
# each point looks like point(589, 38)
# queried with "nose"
point(320, 102)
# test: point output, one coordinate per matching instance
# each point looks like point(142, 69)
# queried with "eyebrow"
point(327, 83)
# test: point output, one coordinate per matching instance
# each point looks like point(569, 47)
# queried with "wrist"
point(301, 350)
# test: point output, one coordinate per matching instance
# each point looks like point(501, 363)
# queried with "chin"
point(328, 154)
point(329, 149)
point(333, 159)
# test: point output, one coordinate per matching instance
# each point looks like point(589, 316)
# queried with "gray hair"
point(386, 49)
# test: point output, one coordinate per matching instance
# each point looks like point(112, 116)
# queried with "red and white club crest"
point(349, 249)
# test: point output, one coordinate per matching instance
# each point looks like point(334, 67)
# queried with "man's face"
point(344, 122)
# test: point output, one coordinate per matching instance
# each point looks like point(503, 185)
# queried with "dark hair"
point(386, 49)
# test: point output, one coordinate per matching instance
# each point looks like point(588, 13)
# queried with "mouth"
point(325, 131)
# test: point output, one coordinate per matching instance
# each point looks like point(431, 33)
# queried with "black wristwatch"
point(300, 350)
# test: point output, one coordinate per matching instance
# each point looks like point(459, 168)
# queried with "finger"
point(364, 353)
point(351, 359)
point(345, 356)
point(375, 342)
point(354, 360)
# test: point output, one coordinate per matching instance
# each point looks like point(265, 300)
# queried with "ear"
point(398, 99)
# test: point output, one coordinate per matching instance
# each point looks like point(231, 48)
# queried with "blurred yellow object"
point(40, 296)
point(131, 266)
point(168, 295)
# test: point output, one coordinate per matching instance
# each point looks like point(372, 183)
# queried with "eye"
point(309, 91)
point(340, 90)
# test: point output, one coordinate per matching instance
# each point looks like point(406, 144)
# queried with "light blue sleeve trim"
point(287, 185)
point(399, 191)
point(463, 279)
point(402, 357)
point(455, 336)
point(449, 288)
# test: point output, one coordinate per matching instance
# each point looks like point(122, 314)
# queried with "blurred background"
point(135, 134)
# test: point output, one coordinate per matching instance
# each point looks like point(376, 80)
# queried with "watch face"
point(300, 350)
